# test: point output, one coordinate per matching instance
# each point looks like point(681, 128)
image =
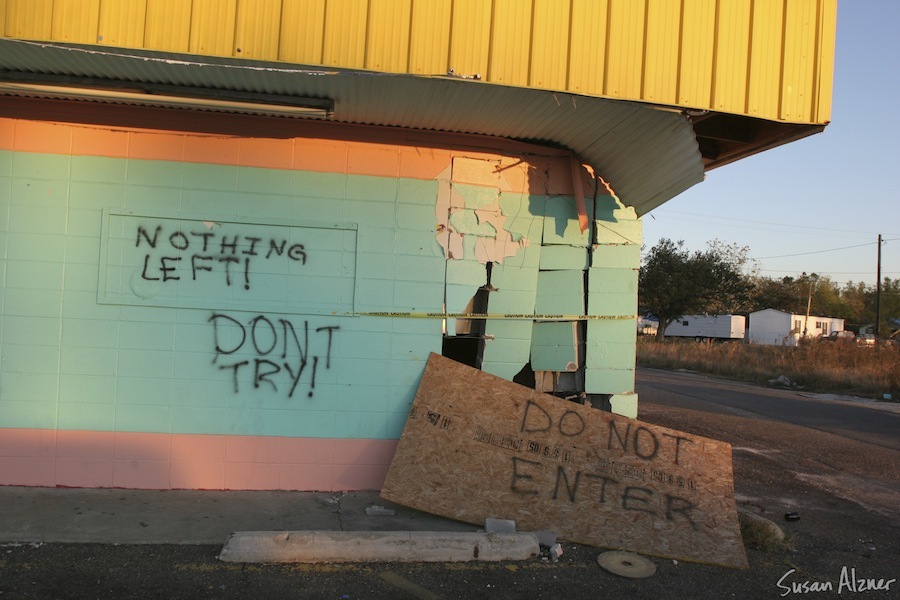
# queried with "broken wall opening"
point(466, 343)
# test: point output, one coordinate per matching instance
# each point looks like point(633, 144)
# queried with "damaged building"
point(235, 230)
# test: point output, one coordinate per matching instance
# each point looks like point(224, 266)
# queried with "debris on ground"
point(492, 525)
point(626, 564)
point(379, 511)
point(781, 381)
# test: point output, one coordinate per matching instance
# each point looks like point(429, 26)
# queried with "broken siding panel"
point(122, 23)
point(76, 22)
point(549, 45)
point(608, 381)
point(212, 27)
point(732, 56)
point(510, 43)
point(554, 346)
point(612, 292)
point(387, 43)
point(563, 257)
point(429, 41)
point(257, 29)
point(168, 25)
point(626, 256)
point(507, 347)
point(560, 293)
point(561, 224)
point(623, 231)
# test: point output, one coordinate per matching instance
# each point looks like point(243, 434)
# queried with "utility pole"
point(878, 291)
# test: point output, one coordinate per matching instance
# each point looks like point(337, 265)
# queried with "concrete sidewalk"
point(117, 516)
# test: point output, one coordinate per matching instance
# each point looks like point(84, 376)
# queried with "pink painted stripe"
point(40, 457)
point(122, 132)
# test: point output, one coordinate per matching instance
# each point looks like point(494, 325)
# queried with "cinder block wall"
point(195, 310)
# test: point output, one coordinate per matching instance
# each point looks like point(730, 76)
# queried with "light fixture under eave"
point(183, 98)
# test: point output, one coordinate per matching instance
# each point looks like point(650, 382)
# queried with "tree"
point(674, 282)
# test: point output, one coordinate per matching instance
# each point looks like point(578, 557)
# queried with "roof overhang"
point(646, 154)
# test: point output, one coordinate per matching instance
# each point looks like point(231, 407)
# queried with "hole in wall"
point(467, 345)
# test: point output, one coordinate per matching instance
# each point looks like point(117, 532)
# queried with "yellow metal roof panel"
point(122, 23)
point(731, 57)
point(588, 38)
point(302, 32)
point(76, 22)
point(257, 29)
point(168, 25)
point(470, 37)
point(550, 48)
point(345, 34)
point(387, 44)
point(770, 59)
point(212, 27)
point(661, 62)
point(429, 39)
point(510, 43)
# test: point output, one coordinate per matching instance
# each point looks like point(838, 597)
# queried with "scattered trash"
point(626, 564)
point(555, 552)
point(760, 531)
point(792, 516)
point(379, 511)
point(781, 381)
point(492, 525)
point(545, 538)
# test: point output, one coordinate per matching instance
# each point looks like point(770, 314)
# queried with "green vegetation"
point(817, 366)
point(723, 280)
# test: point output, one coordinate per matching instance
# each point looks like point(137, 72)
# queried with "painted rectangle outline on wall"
point(339, 306)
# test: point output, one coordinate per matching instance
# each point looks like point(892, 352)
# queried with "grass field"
point(844, 368)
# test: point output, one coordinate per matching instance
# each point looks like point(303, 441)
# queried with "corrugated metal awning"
point(646, 154)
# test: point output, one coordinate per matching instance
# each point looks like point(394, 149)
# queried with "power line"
point(814, 252)
point(789, 225)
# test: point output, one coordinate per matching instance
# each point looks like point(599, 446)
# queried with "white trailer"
point(777, 328)
point(708, 327)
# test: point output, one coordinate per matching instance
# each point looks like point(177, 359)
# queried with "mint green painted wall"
point(73, 359)
point(71, 362)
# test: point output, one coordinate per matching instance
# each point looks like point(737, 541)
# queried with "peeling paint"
point(469, 206)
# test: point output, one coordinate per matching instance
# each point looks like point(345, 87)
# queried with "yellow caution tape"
point(445, 315)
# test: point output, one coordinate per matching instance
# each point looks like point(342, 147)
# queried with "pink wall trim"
point(39, 457)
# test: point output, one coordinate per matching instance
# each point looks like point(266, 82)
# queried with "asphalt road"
point(837, 470)
point(876, 423)
point(848, 447)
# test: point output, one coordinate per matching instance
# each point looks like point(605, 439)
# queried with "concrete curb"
point(376, 546)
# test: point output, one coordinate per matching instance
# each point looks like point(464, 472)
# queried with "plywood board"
point(477, 446)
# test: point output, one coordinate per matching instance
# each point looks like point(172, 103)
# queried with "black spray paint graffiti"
point(207, 251)
point(605, 482)
point(276, 345)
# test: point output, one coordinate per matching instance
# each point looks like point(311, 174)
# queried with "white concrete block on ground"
point(376, 546)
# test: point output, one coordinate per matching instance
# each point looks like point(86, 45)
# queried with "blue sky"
point(818, 204)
